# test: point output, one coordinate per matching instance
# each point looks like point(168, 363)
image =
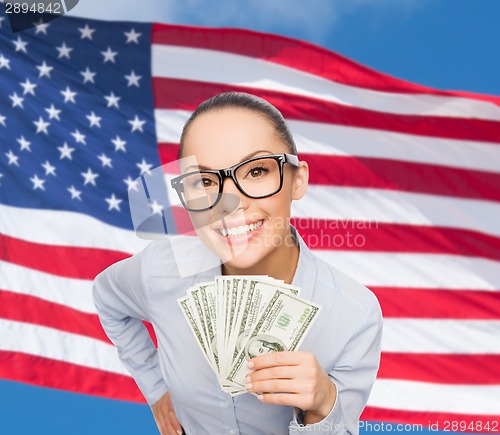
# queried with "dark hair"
point(251, 102)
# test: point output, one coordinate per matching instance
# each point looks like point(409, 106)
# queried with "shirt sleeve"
point(353, 376)
point(119, 297)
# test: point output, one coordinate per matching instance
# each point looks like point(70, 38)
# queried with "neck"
point(281, 263)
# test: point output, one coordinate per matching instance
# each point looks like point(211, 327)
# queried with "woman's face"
point(223, 138)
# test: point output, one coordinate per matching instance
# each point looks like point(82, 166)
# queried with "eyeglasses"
point(258, 177)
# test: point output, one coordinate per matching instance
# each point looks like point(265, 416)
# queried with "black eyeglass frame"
point(230, 172)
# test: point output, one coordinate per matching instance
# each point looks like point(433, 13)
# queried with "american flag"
point(404, 196)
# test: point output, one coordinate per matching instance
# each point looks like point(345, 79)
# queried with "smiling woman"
point(239, 173)
point(248, 135)
point(421, 41)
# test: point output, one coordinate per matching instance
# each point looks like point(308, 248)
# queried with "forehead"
point(221, 138)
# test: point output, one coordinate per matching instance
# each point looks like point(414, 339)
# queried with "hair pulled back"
point(242, 100)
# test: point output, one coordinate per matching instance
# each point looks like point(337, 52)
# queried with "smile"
point(241, 230)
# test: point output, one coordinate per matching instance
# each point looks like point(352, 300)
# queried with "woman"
point(321, 388)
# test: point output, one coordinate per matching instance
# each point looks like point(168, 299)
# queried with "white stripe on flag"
point(416, 270)
point(422, 396)
point(400, 335)
point(191, 64)
point(73, 293)
point(66, 228)
point(370, 268)
point(329, 139)
point(392, 206)
point(438, 336)
point(61, 346)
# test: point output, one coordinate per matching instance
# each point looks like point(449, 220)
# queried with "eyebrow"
point(249, 156)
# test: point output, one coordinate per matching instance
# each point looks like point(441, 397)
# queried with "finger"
point(276, 372)
point(285, 358)
point(275, 386)
point(162, 422)
point(168, 429)
point(175, 423)
point(167, 422)
point(174, 431)
point(166, 415)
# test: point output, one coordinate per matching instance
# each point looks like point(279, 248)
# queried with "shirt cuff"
point(151, 384)
point(156, 394)
point(331, 424)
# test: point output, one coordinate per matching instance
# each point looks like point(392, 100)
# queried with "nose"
point(229, 186)
point(231, 198)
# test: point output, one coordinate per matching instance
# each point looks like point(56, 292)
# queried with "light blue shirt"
point(345, 339)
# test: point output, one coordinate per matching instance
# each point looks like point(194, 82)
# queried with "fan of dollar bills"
point(235, 318)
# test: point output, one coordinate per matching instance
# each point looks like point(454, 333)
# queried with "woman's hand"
point(165, 417)
point(299, 379)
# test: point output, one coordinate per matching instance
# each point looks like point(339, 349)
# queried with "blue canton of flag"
point(76, 116)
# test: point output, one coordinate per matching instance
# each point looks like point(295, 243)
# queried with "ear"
point(300, 180)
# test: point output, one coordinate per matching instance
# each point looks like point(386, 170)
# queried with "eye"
point(200, 182)
point(257, 171)
point(205, 183)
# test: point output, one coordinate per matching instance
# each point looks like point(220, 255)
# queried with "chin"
point(246, 260)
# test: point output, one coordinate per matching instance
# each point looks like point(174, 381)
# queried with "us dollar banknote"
point(235, 318)
point(282, 326)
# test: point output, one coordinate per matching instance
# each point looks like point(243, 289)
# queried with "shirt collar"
point(305, 273)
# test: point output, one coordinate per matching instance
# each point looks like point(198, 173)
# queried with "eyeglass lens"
point(257, 178)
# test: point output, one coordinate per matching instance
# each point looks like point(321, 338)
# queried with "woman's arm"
point(332, 402)
point(119, 297)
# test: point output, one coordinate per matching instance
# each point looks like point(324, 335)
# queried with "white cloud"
point(305, 19)
point(299, 17)
point(120, 10)
point(312, 17)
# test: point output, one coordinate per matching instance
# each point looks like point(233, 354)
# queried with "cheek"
point(200, 219)
point(278, 206)
point(278, 217)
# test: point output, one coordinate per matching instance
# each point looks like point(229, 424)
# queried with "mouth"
point(241, 230)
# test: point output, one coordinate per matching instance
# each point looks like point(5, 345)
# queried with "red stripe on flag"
point(372, 236)
point(64, 261)
point(44, 372)
point(369, 236)
point(443, 369)
point(168, 153)
point(293, 53)
point(375, 173)
point(378, 173)
point(31, 309)
point(34, 310)
point(186, 95)
point(475, 96)
point(380, 237)
point(438, 303)
point(183, 224)
point(152, 333)
point(289, 52)
point(438, 420)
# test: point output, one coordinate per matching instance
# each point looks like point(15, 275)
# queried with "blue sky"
point(446, 44)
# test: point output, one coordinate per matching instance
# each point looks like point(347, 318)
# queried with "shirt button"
point(231, 431)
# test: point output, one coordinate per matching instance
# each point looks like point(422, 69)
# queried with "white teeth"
point(239, 231)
